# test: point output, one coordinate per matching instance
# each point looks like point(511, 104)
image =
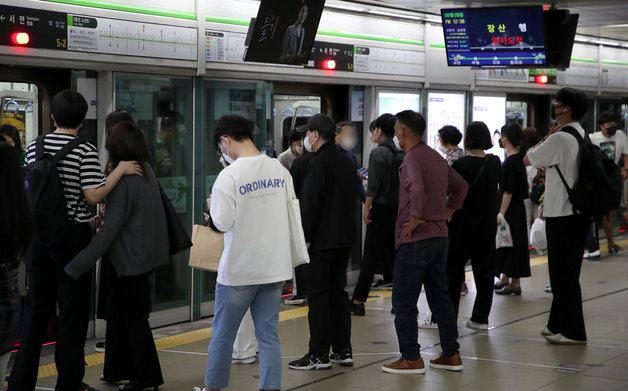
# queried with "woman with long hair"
point(16, 231)
point(135, 235)
point(513, 263)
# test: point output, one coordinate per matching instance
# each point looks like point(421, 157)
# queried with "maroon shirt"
point(427, 186)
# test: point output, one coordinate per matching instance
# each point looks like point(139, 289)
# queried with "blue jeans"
point(232, 303)
point(422, 263)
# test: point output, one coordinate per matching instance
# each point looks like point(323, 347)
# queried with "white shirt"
point(286, 158)
point(616, 147)
point(561, 148)
point(249, 204)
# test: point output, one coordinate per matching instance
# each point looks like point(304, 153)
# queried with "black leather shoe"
point(509, 291)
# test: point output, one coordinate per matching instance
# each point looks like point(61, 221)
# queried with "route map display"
point(494, 37)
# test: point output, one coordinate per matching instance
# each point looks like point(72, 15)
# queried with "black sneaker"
point(100, 346)
point(357, 309)
point(344, 358)
point(310, 361)
point(296, 300)
point(377, 283)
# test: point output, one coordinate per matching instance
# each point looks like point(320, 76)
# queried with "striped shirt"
point(79, 170)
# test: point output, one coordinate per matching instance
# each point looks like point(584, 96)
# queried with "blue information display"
point(494, 37)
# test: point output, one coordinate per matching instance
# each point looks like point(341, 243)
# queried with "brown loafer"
point(453, 363)
point(403, 366)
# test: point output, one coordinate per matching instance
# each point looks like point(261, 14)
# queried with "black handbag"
point(177, 235)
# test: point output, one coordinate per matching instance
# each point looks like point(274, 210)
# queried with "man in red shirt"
point(429, 193)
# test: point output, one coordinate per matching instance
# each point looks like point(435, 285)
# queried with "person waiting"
point(566, 229)
point(328, 215)
point(286, 158)
point(472, 229)
point(429, 193)
point(513, 263)
point(347, 139)
point(380, 211)
point(614, 143)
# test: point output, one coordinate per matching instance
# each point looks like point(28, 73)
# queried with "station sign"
point(33, 28)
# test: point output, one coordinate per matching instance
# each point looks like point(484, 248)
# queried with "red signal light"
point(329, 64)
point(20, 38)
point(541, 79)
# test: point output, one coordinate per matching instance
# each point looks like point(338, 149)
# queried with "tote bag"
point(298, 248)
point(207, 248)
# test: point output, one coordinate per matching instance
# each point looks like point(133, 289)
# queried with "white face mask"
point(307, 144)
point(442, 149)
point(226, 157)
point(223, 162)
point(396, 141)
point(299, 149)
point(348, 143)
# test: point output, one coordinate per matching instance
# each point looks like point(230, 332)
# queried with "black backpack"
point(44, 192)
point(598, 188)
point(398, 156)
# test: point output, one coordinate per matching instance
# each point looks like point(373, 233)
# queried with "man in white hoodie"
point(247, 195)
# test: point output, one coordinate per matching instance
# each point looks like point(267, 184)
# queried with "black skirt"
point(515, 261)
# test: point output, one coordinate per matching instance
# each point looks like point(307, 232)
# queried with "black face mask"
point(612, 130)
point(553, 112)
point(501, 145)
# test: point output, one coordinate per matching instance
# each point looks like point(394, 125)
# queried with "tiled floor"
point(511, 356)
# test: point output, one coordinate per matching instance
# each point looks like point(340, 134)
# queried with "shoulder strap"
point(572, 131)
point(66, 149)
point(479, 173)
point(39, 147)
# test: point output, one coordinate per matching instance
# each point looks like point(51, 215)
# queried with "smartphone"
point(364, 172)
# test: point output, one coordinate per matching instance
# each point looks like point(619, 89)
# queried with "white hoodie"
point(249, 204)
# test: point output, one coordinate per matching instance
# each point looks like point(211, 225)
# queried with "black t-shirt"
point(481, 204)
point(514, 178)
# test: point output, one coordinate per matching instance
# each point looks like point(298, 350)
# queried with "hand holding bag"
point(504, 236)
point(207, 249)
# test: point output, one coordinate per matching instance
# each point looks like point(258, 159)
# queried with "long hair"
point(126, 142)
point(16, 219)
point(11, 131)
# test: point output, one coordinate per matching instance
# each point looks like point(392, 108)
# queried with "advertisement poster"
point(444, 108)
point(394, 102)
point(284, 31)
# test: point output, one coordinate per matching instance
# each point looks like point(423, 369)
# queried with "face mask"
point(442, 149)
point(553, 113)
point(307, 144)
point(223, 162)
point(396, 141)
point(348, 143)
point(501, 145)
point(375, 137)
point(299, 149)
point(226, 157)
point(612, 130)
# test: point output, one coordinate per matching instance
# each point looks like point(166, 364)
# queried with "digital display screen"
point(284, 31)
point(494, 37)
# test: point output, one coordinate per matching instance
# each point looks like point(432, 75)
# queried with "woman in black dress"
point(472, 229)
point(513, 263)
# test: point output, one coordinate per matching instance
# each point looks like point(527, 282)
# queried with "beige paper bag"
point(206, 249)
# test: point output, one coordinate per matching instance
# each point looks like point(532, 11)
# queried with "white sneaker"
point(548, 288)
point(559, 339)
point(592, 255)
point(249, 360)
point(427, 323)
point(546, 332)
point(476, 326)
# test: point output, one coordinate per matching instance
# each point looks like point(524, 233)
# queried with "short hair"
point(11, 131)
point(386, 122)
point(529, 138)
point(324, 125)
point(115, 117)
point(342, 124)
point(233, 126)
point(413, 121)
point(477, 136)
point(126, 142)
point(294, 136)
point(450, 134)
point(606, 117)
point(373, 125)
point(575, 99)
point(68, 109)
point(513, 133)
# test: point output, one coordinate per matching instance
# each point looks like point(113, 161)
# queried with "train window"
point(19, 107)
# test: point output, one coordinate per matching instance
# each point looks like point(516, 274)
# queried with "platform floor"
point(511, 356)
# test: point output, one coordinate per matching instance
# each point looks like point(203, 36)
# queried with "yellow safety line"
point(206, 333)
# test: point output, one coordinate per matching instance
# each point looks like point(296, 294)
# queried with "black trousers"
point(565, 246)
point(48, 284)
point(131, 353)
point(299, 280)
point(328, 316)
point(462, 247)
point(379, 250)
